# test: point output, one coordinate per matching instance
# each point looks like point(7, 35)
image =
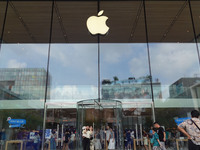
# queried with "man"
point(108, 133)
point(36, 141)
point(191, 129)
point(161, 134)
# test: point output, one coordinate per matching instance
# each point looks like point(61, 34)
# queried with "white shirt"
point(108, 133)
point(86, 134)
point(72, 137)
point(36, 139)
point(132, 135)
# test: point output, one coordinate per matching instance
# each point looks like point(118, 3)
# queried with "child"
point(155, 140)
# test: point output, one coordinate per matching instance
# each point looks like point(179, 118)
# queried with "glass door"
point(103, 121)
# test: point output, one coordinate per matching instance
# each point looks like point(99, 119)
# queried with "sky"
point(73, 67)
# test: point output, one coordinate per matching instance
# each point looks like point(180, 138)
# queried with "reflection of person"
point(161, 134)
point(191, 128)
point(112, 140)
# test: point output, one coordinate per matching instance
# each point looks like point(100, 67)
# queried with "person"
point(167, 142)
point(67, 140)
point(36, 141)
point(53, 141)
point(128, 139)
point(91, 138)
point(191, 128)
point(97, 144)
point(161, 134)
point(2, 138)
point(102, 135)
point(107, 136)
point(111, 144)
point(72, 140)
point(86, 138)
point(145, 137)
point(155, 140)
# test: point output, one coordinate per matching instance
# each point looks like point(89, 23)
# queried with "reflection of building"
point(184, 87)
point(130, 89)
point(7, 94)
point(22, 83)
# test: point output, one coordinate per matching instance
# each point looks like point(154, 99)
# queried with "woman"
point(67, 140)
point(112, 140)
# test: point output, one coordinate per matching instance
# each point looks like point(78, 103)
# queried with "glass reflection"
point(124, 72)
point(174, 62)
point(73, 68)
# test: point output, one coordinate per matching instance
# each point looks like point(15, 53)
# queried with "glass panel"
point(196, 17)
point(174, 64)
point(23, 74)
point(2, 15)
point(72, 68)
point(123, 75)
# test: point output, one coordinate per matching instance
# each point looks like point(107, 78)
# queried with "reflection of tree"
point(115, 78)
point(106, 82)
point(131, 88)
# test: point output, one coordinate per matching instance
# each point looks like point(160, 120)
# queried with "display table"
point(179, 140)
point(14, 142)
point(139, 140)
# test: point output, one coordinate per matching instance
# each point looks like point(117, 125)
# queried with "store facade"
point(49, 61)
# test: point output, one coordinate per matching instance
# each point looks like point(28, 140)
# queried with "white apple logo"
point(97, 24)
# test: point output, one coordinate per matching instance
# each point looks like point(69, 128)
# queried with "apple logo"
point(97, 24)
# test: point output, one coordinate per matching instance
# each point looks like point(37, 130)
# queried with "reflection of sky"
point(76, 64)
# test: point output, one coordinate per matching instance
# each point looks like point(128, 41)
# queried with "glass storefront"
point(50, 64)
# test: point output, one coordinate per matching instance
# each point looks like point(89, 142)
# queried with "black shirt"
point(67, 136)
point(160, 132)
